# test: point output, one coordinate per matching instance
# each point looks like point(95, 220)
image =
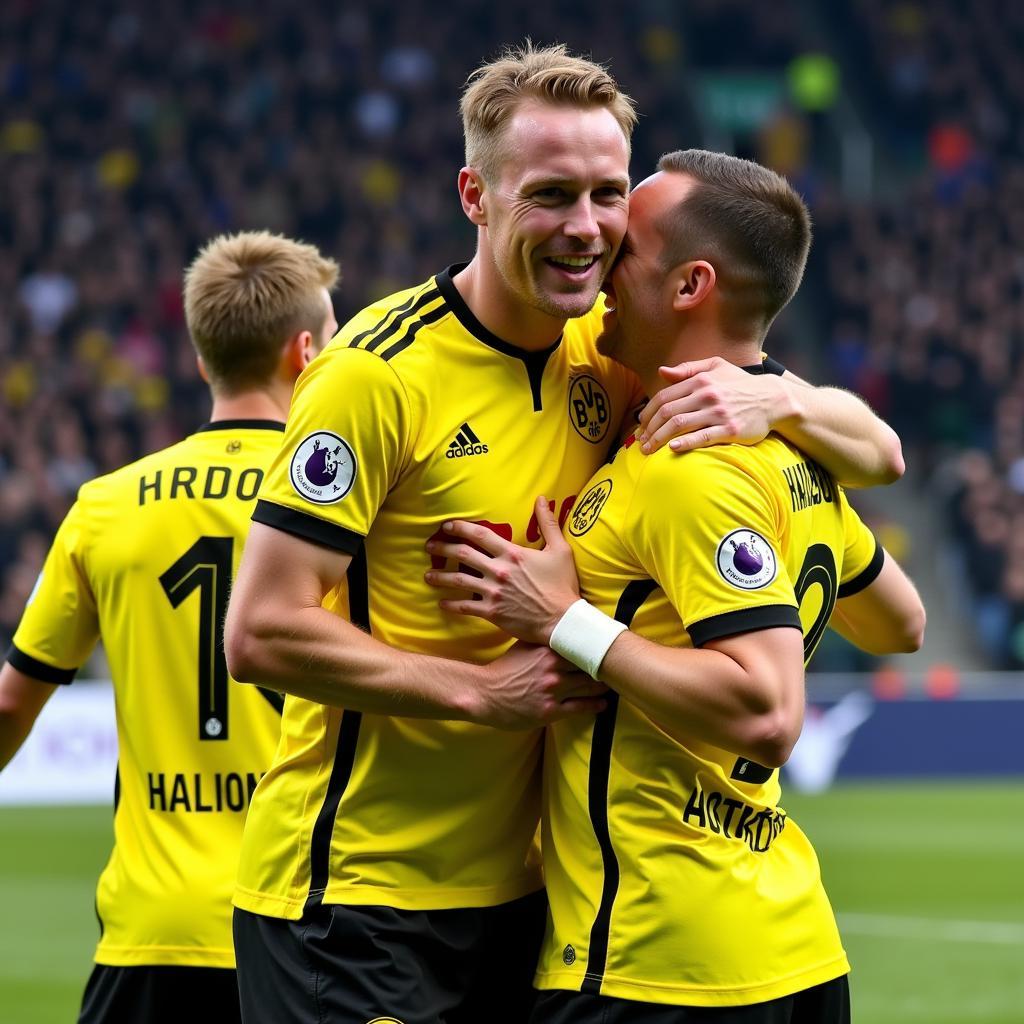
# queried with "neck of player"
point(504, 315)
point(691, 347)
point(258, 404)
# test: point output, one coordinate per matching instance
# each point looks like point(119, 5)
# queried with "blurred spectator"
point(926, 291)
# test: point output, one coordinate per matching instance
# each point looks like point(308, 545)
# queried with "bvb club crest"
point(589, 409)
point(588, 508)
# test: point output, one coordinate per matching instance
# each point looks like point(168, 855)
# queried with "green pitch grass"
point(50, 858)
point(926, 880)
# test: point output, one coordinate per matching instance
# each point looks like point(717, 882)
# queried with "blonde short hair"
point(550, 74)
point(245, 296)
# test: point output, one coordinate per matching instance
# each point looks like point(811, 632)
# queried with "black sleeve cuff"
point(744, 620)
point(37, 669)
point(865, 577)
point(308, 527)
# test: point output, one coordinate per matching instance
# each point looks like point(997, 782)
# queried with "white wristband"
point(583, 635)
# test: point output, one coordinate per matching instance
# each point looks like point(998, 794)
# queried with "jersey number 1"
point(207, 566)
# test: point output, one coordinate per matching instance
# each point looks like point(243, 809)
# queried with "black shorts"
point(824, 1004)
point(160, 995)
point(352, 965)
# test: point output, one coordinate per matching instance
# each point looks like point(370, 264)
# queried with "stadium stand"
point(120, 154)
point(129, 136)
point(925, 287)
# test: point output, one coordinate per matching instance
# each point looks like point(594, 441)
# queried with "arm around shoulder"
point(715, 402)
point(839, 430)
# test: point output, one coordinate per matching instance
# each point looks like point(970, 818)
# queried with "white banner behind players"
point(70, 757)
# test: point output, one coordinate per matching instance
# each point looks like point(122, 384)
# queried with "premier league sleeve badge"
point(323, 468)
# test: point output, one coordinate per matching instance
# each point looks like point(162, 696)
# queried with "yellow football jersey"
point(413, 415)
point(673, 874)
point(145, 558)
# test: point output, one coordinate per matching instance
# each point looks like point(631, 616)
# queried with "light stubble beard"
point(571, 306)
point(566, 310)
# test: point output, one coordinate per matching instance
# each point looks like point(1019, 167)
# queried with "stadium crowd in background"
point(122, 151)
point(121, 154)
point(925, 290)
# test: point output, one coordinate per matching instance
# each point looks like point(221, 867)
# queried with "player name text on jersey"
point(217, 482)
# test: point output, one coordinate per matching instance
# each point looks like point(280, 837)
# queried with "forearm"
point(885, 618)
point(21, 700)
point(878, 638)
point(13, 732)
point(278, 634)
point(839, 431)
point(707, 695)
point(323, 658)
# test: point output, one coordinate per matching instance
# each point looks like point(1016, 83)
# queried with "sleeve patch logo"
point(746, 560)
point(323, 468)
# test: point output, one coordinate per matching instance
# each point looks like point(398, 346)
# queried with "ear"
point(471, 192)
point(299, 351)
point(202, 370)
point(694, 282)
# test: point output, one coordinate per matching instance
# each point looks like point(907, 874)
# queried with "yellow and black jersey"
point(673, 874)
point(416, 414)
point(145, 559)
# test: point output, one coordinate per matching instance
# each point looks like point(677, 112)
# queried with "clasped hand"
point(523, 591)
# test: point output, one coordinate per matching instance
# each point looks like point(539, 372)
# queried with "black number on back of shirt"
point(819, 568)
point(206, 566)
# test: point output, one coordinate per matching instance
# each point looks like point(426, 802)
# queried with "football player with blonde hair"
point(144, 561)
point(389, 868)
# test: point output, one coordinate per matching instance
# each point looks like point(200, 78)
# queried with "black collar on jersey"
point(533, 361)
point(767, 365)
point(242, 425)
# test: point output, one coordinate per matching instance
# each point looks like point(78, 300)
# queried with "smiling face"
point(556, 213)
point(640, 290)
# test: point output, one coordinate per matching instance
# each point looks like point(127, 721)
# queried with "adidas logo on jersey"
point(466, 443)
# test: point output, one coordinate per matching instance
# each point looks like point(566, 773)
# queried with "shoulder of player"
point(103, 486)
point(391, 332)
point(116, 490)
point(190, 450)
point(366, 381)
point(789, 465)
point(667, 469)
point(388, 327)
